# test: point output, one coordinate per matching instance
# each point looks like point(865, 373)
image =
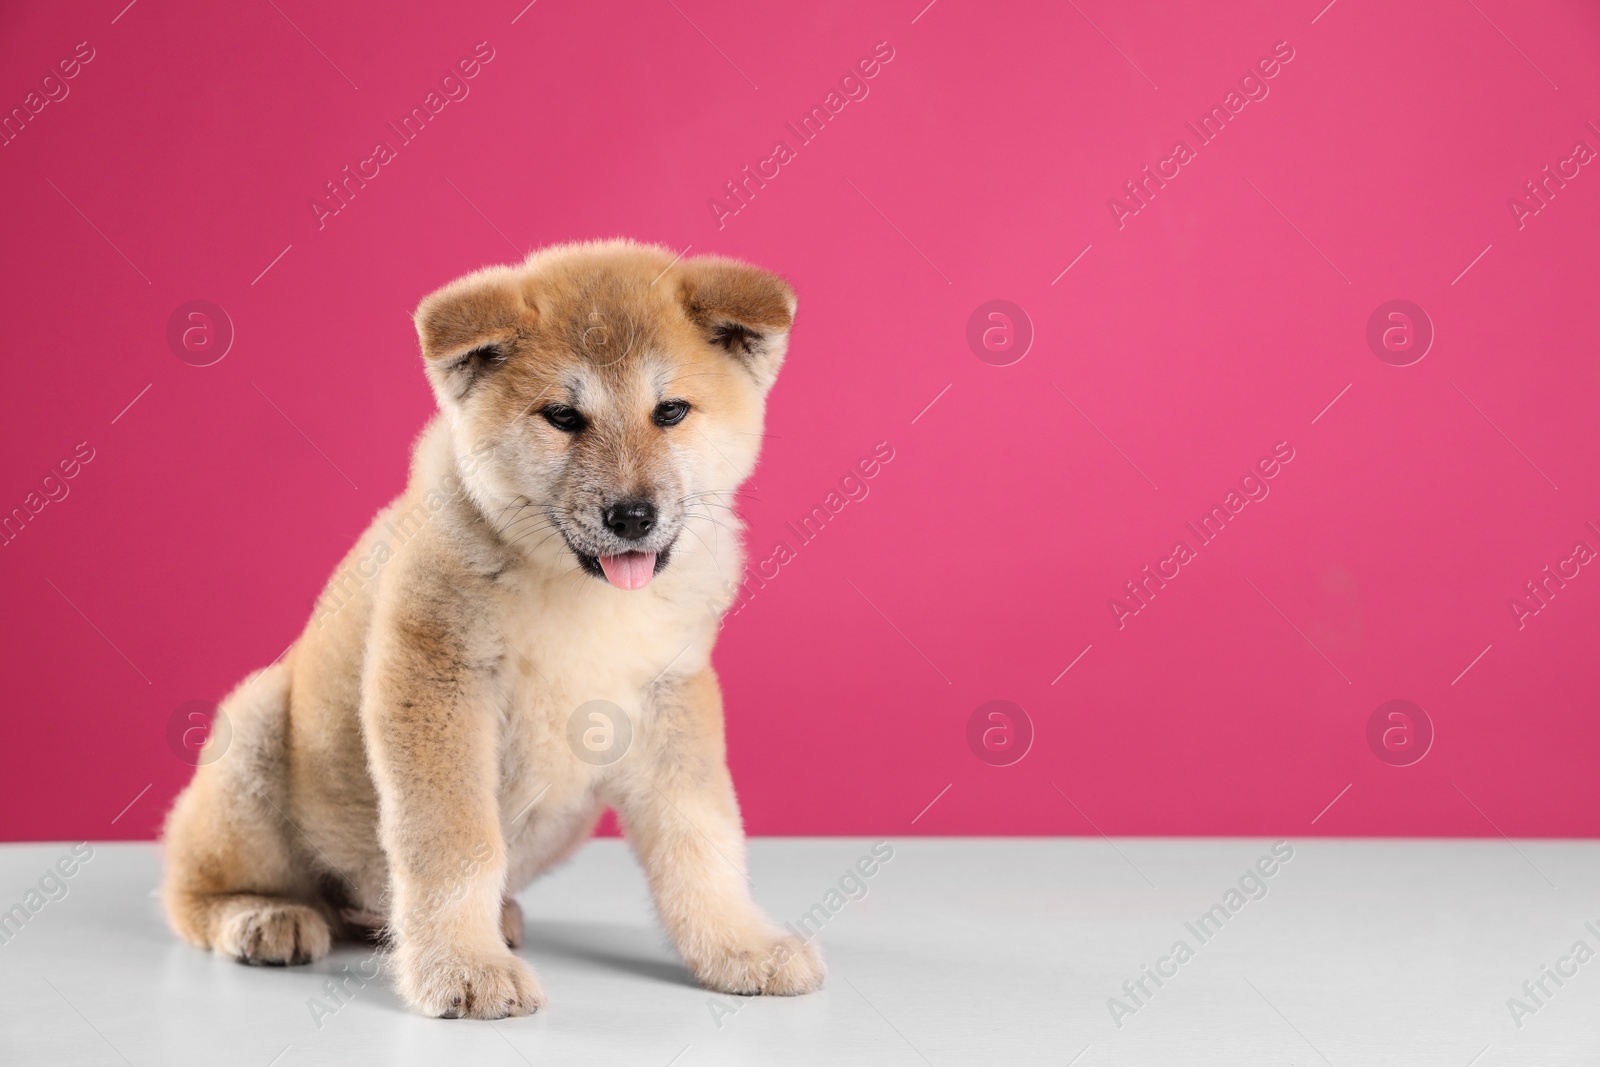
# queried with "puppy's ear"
point(743, 311)
point(467, 328)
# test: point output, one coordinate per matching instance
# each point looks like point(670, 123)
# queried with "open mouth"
point(625, 570)
point(630, 570)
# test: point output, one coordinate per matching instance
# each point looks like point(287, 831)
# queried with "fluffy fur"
point(407, 764)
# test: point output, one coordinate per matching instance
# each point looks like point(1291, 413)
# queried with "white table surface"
point(999, 951)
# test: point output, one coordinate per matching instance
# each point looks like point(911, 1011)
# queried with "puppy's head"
point(609, 393)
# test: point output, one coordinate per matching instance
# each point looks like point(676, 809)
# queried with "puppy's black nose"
point(631, 519)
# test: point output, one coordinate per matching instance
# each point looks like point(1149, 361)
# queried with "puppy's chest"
point(563, 654)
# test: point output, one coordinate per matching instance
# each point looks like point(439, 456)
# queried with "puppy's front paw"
point(469, 986)
point(782, 967)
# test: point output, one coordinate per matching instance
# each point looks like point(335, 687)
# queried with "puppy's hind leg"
point(233, 883)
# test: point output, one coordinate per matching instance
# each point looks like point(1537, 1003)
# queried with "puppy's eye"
point(669, 412)
point(565, 419)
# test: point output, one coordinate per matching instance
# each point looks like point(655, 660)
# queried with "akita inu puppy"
point(520, 640)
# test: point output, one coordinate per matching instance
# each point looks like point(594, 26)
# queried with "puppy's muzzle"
point(630, 520)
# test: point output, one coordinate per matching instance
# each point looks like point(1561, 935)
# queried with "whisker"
point(719, 493)
point(702, 540)
point(527, 534)
point(708, 518)
point(710, 504)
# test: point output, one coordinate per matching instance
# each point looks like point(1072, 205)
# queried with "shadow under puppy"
point(520, 640)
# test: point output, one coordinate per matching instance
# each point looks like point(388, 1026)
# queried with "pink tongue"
point(630, 570)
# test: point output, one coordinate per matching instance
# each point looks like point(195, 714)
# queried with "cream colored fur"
point(407, 763)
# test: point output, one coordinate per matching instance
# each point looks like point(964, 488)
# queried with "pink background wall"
point(1185, 342)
